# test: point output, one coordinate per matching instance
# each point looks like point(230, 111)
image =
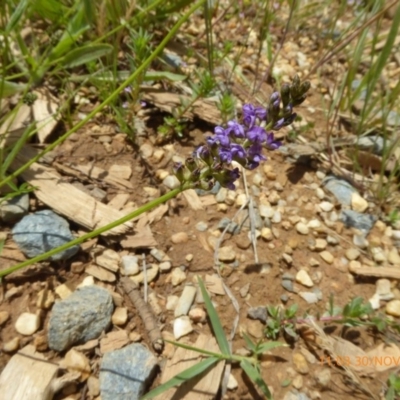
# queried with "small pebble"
point(177, 276)
point(4, 315)
point(360, 241)
point(320, 244)
point(180, 237)
point(313, 262)
point(352, 254)
point(12, 345)
point(129, 265)
point(358, 203)
point(165, 266)
point(326, 206)
point(227, 254)
point(135, 337)
point(393, 308)
point(378, 254)
point(120, 316)
point(266, 234)
point(172, 301)
point(276, 218)
point(197, 315)
point(327, 256)
point(201, 226)
point(182, 327)
point(393, 256)
point(302, 228)
point(185, 301)
point(27, 324)
point(232, 383)
point(304, 279)
point(323, 377)
point(309, 297)
point(297, 382)
point(300, 363)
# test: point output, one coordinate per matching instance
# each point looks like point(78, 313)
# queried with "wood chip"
point(114, 341)
point(205, 388)
point(379, 272)
point(98, 173)
point(118, 201)
point(66, 199)
point(45, 114)
point(28, 375)
point(143, 239)
point(193, 199)
point(100, 273)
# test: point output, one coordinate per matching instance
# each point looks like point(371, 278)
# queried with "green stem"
point(110, 98)
point(99, 231)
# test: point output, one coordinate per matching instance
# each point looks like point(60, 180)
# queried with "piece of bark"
point(193, 199)
point(101, 174)
point(114, 341)
point(143, 239)
point(45, 109)
point(204, 387)
point(65, 199)
point(379, 272)
point(28, 375)
point(145, 312)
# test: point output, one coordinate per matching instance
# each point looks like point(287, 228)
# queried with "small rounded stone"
point(302, 228)
point(27, 324)
point(393, 308)
point(12, 345)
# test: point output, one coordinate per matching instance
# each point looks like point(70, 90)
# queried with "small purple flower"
point(236, 128)
point(251, 113)
point(279, 124)
point(221, 137)
point(254, 156)
point(128, 89)
point(271, 142)
point(257, 134)
point(225, 154)
point(238, 152)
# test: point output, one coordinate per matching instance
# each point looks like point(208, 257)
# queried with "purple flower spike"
point(250, 113)
point(257, 134)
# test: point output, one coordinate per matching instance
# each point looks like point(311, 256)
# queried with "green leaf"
point(215, 322)
point(182, 377)
point(254, 374)
point(52, 10)
point(249, 343)
point(161, 75)
point(76, 27)
point(16, 15)
point(10, 88)
point(85, 54)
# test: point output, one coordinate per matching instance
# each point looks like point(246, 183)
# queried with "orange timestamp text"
point(361, 361)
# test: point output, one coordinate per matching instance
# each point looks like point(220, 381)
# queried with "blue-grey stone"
point(374, 144)
point(259, 313)
point(125, 373)
point(14, 209)
point(42, 231)
point(340, 188)
point(288, 285)
point(233, 227)
point(363, 222)
point(80, 317)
